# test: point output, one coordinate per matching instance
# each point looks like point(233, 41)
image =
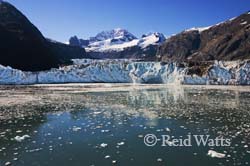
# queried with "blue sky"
point(60, 19)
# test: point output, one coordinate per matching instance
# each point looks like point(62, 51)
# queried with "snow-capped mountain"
point(115, 44)
point(119, 43)
point(117, 35)
point(117, 40)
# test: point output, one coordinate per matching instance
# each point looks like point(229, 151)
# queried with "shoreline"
point(95, 87)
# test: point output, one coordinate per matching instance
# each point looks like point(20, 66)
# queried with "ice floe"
point(103, 145)
point(215, 154)
point(21, 138)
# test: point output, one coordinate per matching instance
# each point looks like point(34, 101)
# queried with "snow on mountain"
point(117, 34)
point(228, 40)
point(151, 39)
point(117, 40)
point(115, 44)
point(200, 29)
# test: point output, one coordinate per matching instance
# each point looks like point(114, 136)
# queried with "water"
point(105, 124)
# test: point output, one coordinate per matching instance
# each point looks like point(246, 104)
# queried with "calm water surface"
point(103, 124)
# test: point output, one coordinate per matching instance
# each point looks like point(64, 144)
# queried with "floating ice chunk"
point(21, 138)
point(34, 150)
point(121, 143)
point(159, 160)
point(76, 128)
point(238, 133)
point(103, 145)
point(106, 157)
point(213, 154)
point(96, 113)
point(114, 162)
point(167, 129)
point(7, 163)
point(140, 136)
point(105, 131)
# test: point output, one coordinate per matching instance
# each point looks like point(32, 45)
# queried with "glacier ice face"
point(219, 75)
point(243, 75)
point(13, 76)
point(126, 71)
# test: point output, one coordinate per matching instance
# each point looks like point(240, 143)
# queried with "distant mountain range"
point(119, 43)
point(24, 47)
point(229, 40)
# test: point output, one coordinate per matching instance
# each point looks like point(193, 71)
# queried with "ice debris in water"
point(159, 160)
point(21, 138)
point(167, 129)
point(214, 154)
point(104, 131)
point(76, 128)
point(7, 163)
point(103, 145)
point(106, 157)
point(96, 113)
point(120, 143)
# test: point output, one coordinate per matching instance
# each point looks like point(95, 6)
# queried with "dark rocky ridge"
point(74, 41)
point(226, 41)
point(64, 53)
point(23, 46)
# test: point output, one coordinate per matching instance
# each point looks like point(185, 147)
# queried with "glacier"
point(127, 71)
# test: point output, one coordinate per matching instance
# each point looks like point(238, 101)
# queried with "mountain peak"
point(117, 33)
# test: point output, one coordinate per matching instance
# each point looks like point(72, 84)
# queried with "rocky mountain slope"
point(23, 46)
point(229, 40)
point(64, 52)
